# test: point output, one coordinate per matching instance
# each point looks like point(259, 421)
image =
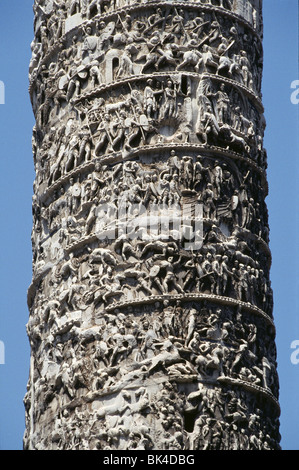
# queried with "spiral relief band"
point(151, 310)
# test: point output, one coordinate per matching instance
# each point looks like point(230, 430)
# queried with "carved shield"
point(63, 82)
point(82, 72)
point(108, 30)
point(234, 202)
point(144, 122)
point(128, 122)
point(154, 271)
point(76, 191)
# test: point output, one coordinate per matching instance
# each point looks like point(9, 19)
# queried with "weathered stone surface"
point(151, 304)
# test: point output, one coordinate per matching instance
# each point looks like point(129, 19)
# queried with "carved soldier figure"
point(150, 104)
point(170, 101)
point(222, 104)
point(126, 66)
point(90, 44)
point(138, 129)
point(104, 139)
point(208, 202)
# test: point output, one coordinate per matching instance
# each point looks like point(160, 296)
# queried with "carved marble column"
point(151, 321)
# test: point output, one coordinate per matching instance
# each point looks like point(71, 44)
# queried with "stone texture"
point(151, 320)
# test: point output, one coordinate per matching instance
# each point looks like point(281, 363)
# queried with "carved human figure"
point(170, 101)
point(150, 99)
point(192, 57)
point(222, 104)
point(90, 45)
point(126, 65)
point(103, 136)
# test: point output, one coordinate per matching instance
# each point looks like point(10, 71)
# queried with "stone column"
point(151, 321)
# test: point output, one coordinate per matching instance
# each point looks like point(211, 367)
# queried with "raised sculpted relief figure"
point(126, 67)
point(90, 45)
point(96, 43)
point(244, 64)
point(207, 128)
point(150, 103)
point(103, 138)
point(169, 105)
point(222, 105)
point(36, 50)
point(74, 7)
point(167, 56)
point(152, 56)
point(138, 129)
point(192, 57)
point(225, 63)
point(96, 7)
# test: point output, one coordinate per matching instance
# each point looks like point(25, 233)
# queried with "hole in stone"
point(115, 66)
point(93, 12)
point(184, 85)
point(189, 420)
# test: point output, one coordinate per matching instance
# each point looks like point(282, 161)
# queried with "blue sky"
point(17, 175)
point(281, 142)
